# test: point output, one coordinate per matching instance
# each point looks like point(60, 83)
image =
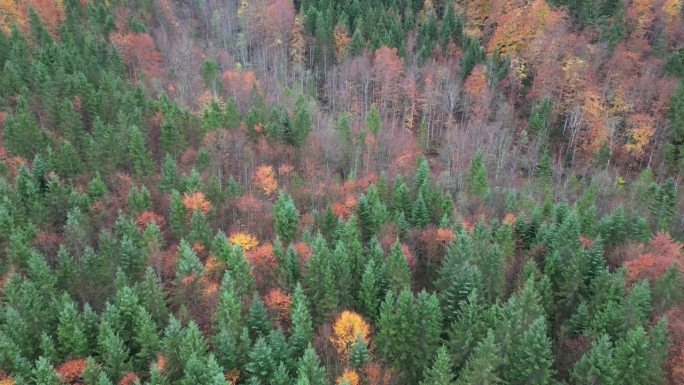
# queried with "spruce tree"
point(483, 365)
point(301, 331)
point(531, 360)
point(597, 366)
point(440, 372)
point(286, 217)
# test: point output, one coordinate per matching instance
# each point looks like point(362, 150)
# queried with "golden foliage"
point(342, 41)
point(348, 326)
point(640, 134)
point(264, 179)
point(297, 42)
point(196, 201)
point(350, 376)
point(519, 26)
point(246, 241)
point(9, 14)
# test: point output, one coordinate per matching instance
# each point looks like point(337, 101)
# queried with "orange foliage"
point(278, 20)
point(509, 219)
point(346, 208)
point(129, 378)
point(586, 242)
point(278, 305)
point(238, 84)
point(342, 41)
point(517, 27)
point(246, 241)
point(347, 327)
point(213, 267)
point(304, 252)
point(263, 263)
point(71, 370)
point(445, 236)
point(662, 254)
point(51, 12)
point(233, 376)
point(196, 201)
point(161, 363)
point(147, 217)
point(376, 375)
point(675, 362)
point(350, 376)
point(264, 179)
point(138, 51)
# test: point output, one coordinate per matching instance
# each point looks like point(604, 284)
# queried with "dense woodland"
point(313, 192)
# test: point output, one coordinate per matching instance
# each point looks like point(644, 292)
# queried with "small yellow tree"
point(348, 326)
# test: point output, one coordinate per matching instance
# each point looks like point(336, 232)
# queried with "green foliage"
point(286, 217)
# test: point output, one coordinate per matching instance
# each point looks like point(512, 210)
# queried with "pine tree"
point(476, 179)
point(309, 369)
point(633, 360)
point(286, 217)
point(440, 371)
point(359, 354)
point(257, 321)
point(597, 365)
point(301, 124)
point(44, 373)
point(398, 273)
point(188, 261)
point(169, 179)
point(229, 308)
point(140, 156)
point(113, 352)
point(260, 366)
point(146, 338)
point(483, 365)
point(200, 231)
point(178, 217)
point(369, 292)
point(301, 332)
point(531, 359)
point(373, 121)
point(71, 331)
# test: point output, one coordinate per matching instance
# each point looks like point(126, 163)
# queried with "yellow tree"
point(264, 180)
point(346, 330)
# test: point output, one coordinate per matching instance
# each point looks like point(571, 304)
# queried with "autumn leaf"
point(346, 329)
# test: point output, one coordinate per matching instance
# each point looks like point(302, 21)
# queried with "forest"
point(341, 192)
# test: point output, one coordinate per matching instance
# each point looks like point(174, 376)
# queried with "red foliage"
point(147, 217)
point(410, 259)
point(376, 375)
point(168, 262)
point(662, 253)
point(129, 378)
point(387, 70)
point(278, 305)
point(263, 263)
point(71, 370)
point(239, 84)
point(278, 21)
point(304, 253)
point(139, 52)
point(675, 361)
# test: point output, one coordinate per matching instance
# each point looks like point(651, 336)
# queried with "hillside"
point(271, 192)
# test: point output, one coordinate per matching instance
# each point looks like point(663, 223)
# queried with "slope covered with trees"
point(319, 192)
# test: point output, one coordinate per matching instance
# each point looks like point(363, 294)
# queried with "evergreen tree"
point(257, 320)
point(373, 121)
point(633, 360)
point(178, 215)
point(260, 366)
point(476, 179)
point(530, 359)
point(398, 273)
point(359, 354)
point(140, 156)
point(483, 365)
point(301, 331)
point(309, 369)
point(286, 217)
point(188, 261)
point(440, 371)
point(44, 373)
point(597, 365)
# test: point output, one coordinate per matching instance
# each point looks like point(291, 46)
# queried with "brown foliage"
point(277, 303)
point(129, 378)
point(147, 217)
point(72, 370)
point(662, 253)
point(139, 52)
point(263, 263)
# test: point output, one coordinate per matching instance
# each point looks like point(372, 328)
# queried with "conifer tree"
point(286, 217)
point(301, 331)
point(440, 371)
point(483, 365)
point(530, 359)
point(597, 365)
